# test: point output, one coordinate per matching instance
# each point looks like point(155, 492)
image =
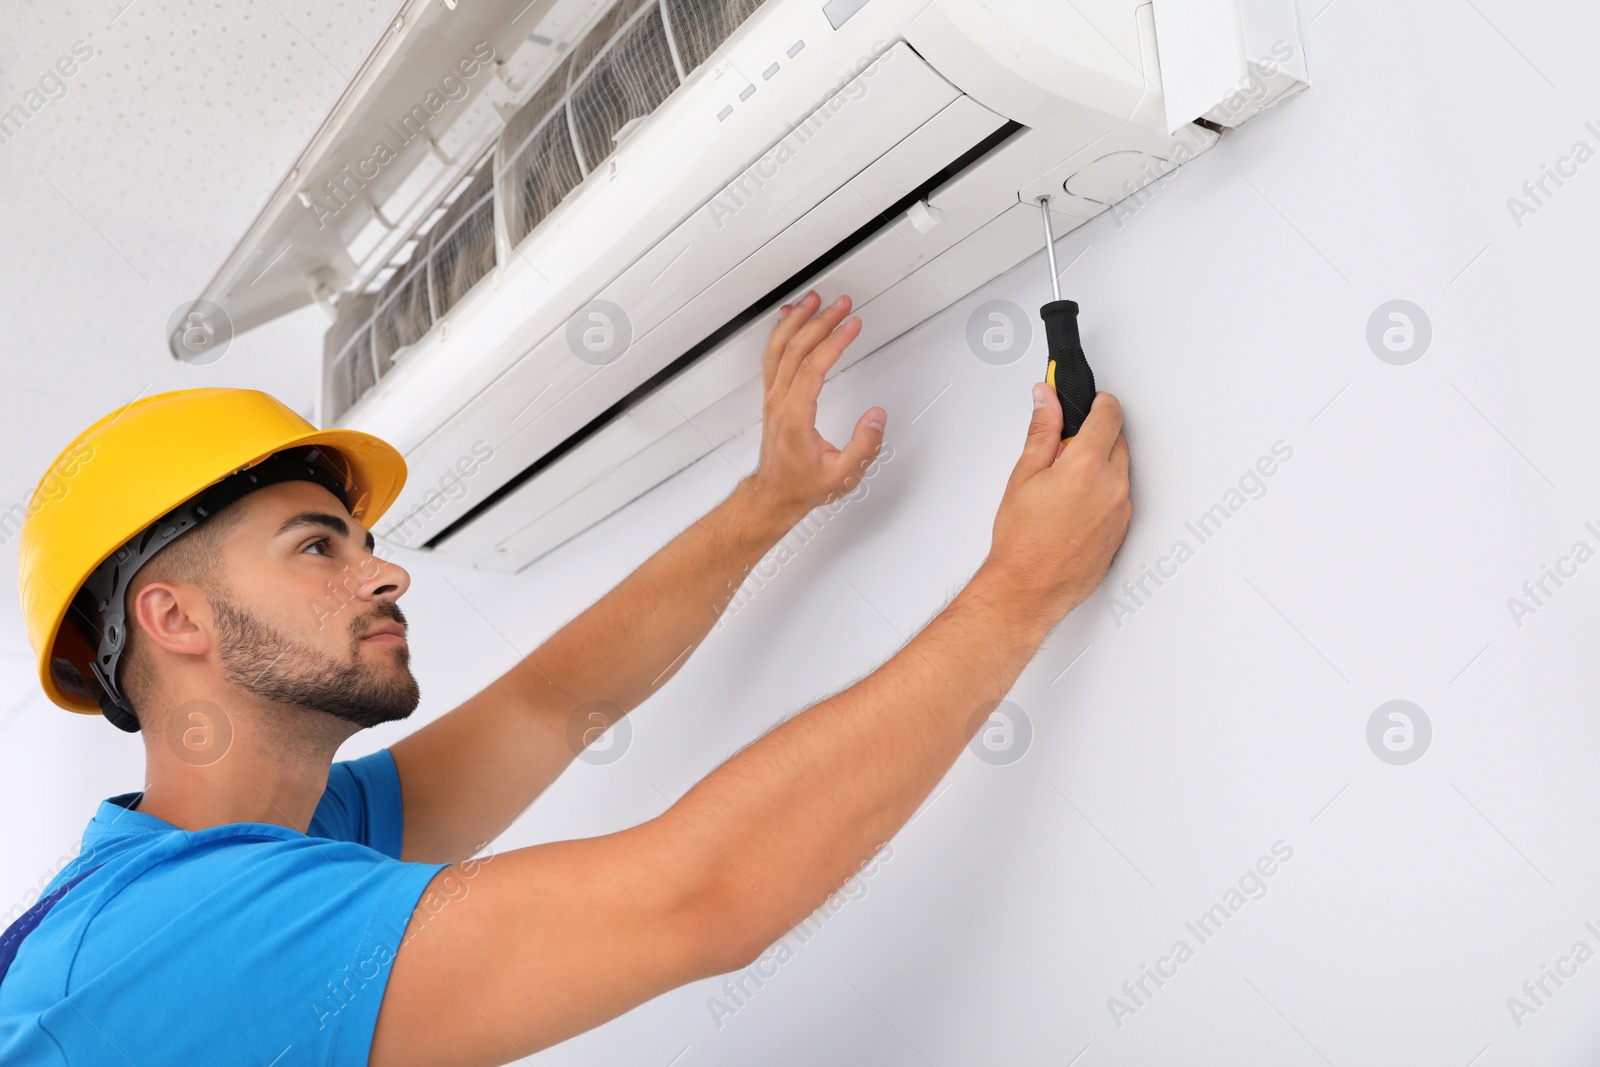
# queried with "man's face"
point(306, 614)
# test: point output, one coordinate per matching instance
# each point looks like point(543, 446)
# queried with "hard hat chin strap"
point(104, 592)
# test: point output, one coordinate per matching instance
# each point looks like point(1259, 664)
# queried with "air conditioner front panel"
point(698, 274)
point(896, 278)
point(638, 450)
point(720, 395)
point(625, 460)
point(735, 365)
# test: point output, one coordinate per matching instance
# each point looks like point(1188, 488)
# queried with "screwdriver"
point(1067, 371)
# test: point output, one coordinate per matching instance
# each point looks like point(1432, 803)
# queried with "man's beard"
point(264, 662)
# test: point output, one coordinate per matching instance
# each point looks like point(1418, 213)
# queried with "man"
point(257, 903)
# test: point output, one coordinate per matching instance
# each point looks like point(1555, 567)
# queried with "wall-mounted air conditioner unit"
point(551, 234)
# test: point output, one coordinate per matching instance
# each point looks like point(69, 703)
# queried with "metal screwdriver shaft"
point(1050, 246)
point(1067, 371)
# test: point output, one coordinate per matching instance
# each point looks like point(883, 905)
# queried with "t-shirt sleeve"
point(275, 950)
point(362, 804)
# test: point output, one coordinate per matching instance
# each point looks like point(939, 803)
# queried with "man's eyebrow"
point(323, 520)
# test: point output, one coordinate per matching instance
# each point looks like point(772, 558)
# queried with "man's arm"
point(552, 940)
point(466, 776)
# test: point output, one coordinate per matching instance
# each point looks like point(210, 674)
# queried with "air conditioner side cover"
point(1039, 62)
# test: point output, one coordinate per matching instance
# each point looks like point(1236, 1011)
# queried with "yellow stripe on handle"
point(1050, 380)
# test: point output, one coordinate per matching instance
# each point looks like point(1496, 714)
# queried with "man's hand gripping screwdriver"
point(1068, 371)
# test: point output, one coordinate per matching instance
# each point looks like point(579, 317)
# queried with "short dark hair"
point(193, 559)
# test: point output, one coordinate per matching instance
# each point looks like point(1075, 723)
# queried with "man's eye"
point(323, 543)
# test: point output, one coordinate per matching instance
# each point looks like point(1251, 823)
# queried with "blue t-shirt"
point(246, 943)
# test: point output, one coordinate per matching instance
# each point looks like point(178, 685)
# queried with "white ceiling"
point(123, 195)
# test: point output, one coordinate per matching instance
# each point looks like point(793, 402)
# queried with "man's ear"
point(174, 616)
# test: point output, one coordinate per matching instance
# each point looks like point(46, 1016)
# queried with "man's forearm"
point(795, 812)
point(638, 635)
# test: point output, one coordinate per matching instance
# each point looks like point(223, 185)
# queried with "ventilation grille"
point(347, 348)
point(544, 167)
point(627, 81)
point(623, 68)
point(448, 256)
point(700, 26)
point(463, 249)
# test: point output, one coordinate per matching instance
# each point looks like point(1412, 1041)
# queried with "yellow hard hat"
point(130, 483)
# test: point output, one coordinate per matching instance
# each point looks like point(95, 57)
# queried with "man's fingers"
point(1119, 454)
point(1102, 427)
point(794, 316)
point(814, 366)
point(805, 339)
point(1044, 433)
point(863, 446)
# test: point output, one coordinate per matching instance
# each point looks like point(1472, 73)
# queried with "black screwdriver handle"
point(1068, 370)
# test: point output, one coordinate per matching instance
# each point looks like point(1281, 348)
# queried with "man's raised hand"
point(799, 469)
point(1065, 510)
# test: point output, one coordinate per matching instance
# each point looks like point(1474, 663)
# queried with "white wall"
point(1229, 712)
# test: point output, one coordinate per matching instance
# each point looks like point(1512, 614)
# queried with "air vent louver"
point(700, 26)
point(403, 315)
point(627, 80)
point(348, 350)
point(447, 259)
point(623, 68)
point(538, 167)
point(463, 248)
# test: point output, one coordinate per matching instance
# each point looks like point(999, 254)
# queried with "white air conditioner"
point(552, 235)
